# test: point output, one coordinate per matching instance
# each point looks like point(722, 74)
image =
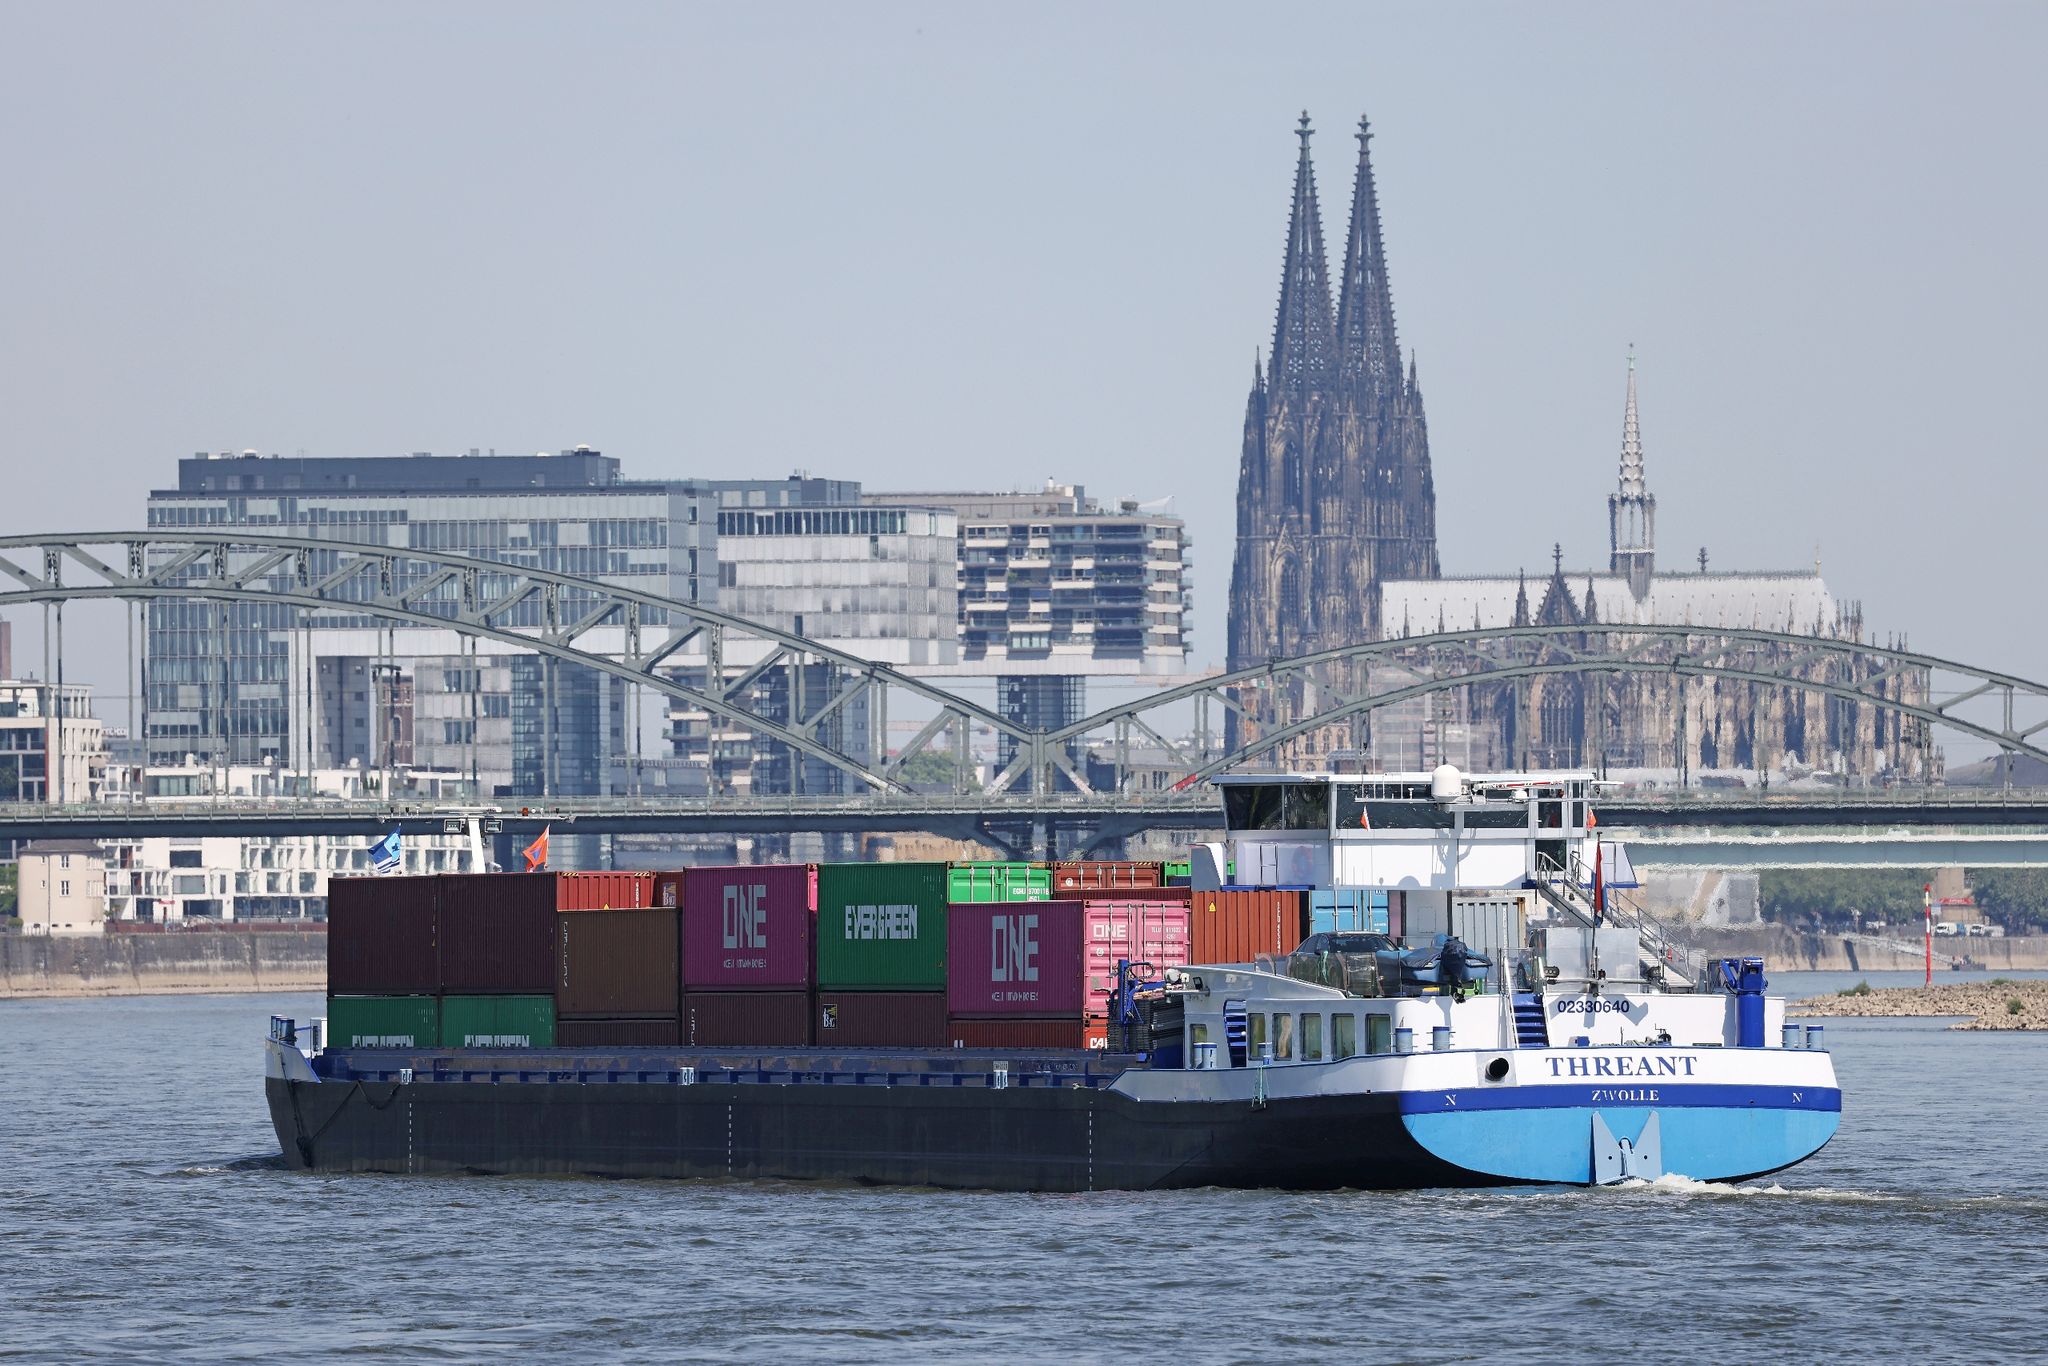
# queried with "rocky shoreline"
point(1980, 1005)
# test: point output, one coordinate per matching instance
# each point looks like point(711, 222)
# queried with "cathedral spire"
point(1632, 508)
point(1369, 354)
point(1303, 341)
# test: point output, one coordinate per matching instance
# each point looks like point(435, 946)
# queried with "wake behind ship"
point(1382, 981)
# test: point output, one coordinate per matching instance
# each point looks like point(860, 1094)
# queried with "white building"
point(62, 888)
point(32, 724)
point(244, 878)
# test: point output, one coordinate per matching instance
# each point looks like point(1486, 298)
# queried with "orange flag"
point(537, 852)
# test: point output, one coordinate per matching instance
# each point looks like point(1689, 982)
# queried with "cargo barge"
point(1444, 991)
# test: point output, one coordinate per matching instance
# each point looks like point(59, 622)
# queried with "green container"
point(999, 882)
point(497, 1022)
point(882, 926)
point(1182, 869)
point(383, 1021)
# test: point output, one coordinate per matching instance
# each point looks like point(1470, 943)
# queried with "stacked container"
point(383, 962)
point(1097, 875)
point(1238, 924)
point(618, 970)
point(882, 948)
point(1015, 974)
point(498, 959)
point(747, 936)
point(1133, 930)
point(998, 882)
point(1335, 910)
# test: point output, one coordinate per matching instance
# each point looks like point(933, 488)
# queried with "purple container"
point(749, 928)
point(1015, 959)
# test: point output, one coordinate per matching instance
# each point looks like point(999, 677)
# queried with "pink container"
point(1014, 959)
point(749, 928)
point(1154, 932)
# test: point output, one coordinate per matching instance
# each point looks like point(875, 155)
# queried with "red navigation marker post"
point(1927, 904)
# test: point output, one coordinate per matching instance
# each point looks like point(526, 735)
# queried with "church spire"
point(1369, 354)
point(1632, 508)
point(1302, 336)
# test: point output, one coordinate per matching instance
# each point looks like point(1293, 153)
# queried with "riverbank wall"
point(1791, 951)
point(35, 965)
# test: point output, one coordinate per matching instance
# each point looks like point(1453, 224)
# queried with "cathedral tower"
point(1632, 508)
point(1334, 484)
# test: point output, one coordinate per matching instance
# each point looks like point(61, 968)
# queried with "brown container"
point(668, 890)
point(1237, 926)
point(603, 891)
point(617, 963)
point(383, 936)
point(747, 1019)
point(1104, 874)
point(665, 1032)
point(882, 1019)
point(498, 934)
point(1018, 1034)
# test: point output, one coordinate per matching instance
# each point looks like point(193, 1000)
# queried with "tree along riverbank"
point(36, 965)
point(1793, 951)
point(2001, 1003)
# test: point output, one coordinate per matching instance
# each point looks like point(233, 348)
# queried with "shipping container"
point(1020, 959)
point(1019, 1035)
point(749, 928)
point(998, 882)
point(882, 926)
point(663, 1032)
point(882, 1019)
point(1236, 925)
point(1154, 931)
point(668, 890)
point(618, 963)
point(498, 934)
point(1341, 909)
point(747, 1019)
point(383, 936)
point(1092, 875)
point(603, 891)
point(383, 1021)
point(497, 1021)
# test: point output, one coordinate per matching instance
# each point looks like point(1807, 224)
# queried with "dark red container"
point(1235, 926)
point(617, 963)
point(498, 934)
point(747, 1019)
point(882, 1019)
point(668, 889)
point(603, 891)
point(1020, 1034)
point(665, 1032)
point(383, 936)
point(1104, 874)
point(1014, 959)
point(749, 928)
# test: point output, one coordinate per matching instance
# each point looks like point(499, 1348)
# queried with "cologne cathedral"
point(1336, 546)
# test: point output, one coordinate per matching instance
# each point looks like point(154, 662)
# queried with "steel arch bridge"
point(647, 639)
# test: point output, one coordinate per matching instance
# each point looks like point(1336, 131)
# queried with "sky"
point(972, 245)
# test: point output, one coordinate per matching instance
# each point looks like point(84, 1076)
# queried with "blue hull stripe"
point(1624, 1093)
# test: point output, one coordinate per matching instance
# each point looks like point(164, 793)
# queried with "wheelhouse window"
point(1277, 806)
point(1283, 1036)
point(1343, 1036)
point(1311, 1038)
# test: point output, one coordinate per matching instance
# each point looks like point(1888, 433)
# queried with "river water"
point(143, 1214)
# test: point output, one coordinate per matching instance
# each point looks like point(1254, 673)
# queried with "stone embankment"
point(36, 965)
point(1791, 951)
point(1982, 1005)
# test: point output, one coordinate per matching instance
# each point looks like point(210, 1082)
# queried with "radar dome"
point(1446, 784)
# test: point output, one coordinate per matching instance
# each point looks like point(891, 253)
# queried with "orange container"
point(1091, 875)
point(1237, 925)
point(603, 891)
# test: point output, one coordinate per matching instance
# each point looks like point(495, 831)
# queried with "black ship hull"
point(1030, 1139)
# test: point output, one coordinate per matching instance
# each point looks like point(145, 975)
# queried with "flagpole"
point(1927, 907)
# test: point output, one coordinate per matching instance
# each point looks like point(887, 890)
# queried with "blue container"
point(1404, 1040)
point(1814, 1037)
point(1440, 1038)
point(1789, 1036)
point(1347, 910)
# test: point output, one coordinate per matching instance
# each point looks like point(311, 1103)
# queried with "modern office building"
point(255, 683)
point(39, 719)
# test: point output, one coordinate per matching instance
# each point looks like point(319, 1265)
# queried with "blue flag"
point(384, 856)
